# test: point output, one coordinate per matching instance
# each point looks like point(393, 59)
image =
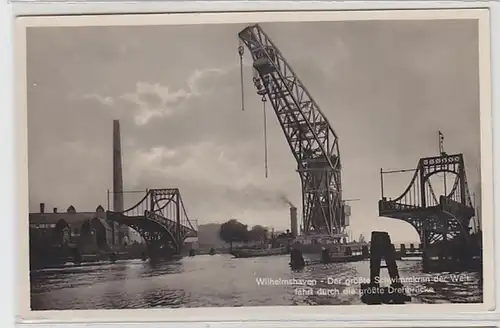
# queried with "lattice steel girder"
point(420, 192)
point(437, 218)
point(311, 138)
point(165, 203)
point(152, 231)
point(456, 209)
point(151, 217)
point(455, 164)
point(435, 228)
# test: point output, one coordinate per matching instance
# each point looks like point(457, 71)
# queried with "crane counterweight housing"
point(312, 140)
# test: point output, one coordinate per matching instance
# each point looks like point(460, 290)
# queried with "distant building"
point(209, 236)
point(191, 243)
point(89, 231)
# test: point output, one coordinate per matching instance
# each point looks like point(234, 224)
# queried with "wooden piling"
point(402, 249)
point(365, 251)
point(372, 293)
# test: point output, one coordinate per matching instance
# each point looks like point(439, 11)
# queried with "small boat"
point(335, 259)
point(245, 253)
point(327, 249)
point(345, 258)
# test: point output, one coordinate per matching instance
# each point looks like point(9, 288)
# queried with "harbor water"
point(220, 280)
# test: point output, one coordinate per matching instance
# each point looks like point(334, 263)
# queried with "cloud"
point(107, 101)
point(214, 182)
point(205, 162)
point(386, 87)
point(153, 100)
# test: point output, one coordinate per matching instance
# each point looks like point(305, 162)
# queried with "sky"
point(387, 88)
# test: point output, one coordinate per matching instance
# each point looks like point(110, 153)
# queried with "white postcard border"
point(251, 313)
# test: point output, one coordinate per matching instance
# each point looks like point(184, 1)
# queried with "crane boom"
point(312, 140)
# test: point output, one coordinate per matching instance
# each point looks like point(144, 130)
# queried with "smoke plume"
point(285, 200)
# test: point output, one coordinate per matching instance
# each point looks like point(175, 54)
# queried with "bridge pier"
point(455, 254)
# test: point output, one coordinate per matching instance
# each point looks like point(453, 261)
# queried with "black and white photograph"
point(256, 162)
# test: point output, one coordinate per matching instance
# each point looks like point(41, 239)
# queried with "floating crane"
point(312, 140)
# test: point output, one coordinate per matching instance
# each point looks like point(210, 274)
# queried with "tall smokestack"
point(293, 220)
point(117, 175)
point(117, 169)
point(42, 207)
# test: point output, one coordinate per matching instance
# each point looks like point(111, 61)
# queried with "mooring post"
point(424, 249)
point(378, 243)
point(402, 249)
point(390, 261)
point(296, 259)
point(365, 251)
point(348, 251)
point(325, 255)
point(372, 293)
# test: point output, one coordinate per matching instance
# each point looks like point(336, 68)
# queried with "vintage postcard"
point(305, 161)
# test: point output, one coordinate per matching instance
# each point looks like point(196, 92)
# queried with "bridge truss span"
point(160, 218)
point(438, 216)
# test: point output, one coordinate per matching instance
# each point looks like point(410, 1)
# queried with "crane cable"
point(240, 52)
point(265, 134)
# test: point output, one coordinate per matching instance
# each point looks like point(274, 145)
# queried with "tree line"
point(235, 231)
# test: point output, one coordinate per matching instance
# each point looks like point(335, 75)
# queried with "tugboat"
point(326, 249)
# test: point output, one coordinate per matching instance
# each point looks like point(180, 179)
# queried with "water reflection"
point(220, 280)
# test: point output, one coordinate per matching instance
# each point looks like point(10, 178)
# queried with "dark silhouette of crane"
point(312, 140)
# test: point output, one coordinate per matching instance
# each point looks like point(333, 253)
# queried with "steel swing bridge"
point(160, 218)
point(438, 219)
